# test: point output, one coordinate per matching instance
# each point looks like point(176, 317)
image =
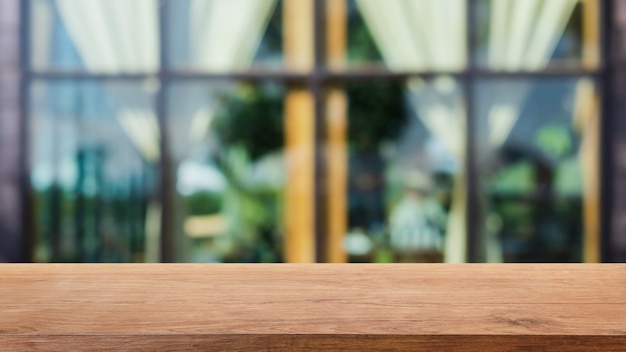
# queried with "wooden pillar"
point(591, 33)
point(300, 192)
point(337, 174)
point(298, 34)
point(587, 111)
point(337, 129)
point(588, 123)
point(336, 33)
point(299, 135)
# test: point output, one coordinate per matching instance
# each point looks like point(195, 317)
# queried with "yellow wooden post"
point(337, 173)
point(337, 128)
point(299, 135)
point(591, 34)
point(587, 121)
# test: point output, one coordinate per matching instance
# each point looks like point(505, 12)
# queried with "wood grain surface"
point(318, 307)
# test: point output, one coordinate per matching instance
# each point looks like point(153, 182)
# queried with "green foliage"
point(251, 118)
point(554, 139)
point(377, 114)
point(203, 203)
point(252, 212)
point(361, 45)
point(568, 179)
point(514, 179)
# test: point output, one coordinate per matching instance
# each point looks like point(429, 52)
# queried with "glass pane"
point(399, 35)
point(225, 35)
point(94, 154)
point(514, 35)
point(227, 150)
point(538, 168)
point(405, 189)
point(108, 36)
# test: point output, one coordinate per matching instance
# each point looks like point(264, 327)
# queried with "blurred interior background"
point(312, 130)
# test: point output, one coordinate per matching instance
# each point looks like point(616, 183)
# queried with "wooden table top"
point(317, 307)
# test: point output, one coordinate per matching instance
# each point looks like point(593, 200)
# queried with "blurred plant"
point(377, 113)
point(251, 118)
point(253, 211)
point(249, 127)
point(203, 203)
point(554, 139)
point(361, 45)
point(518, 178)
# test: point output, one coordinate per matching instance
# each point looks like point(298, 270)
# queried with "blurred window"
point(314, 130)
point(227, 155)
point(94, 163)
point(538, 147)
point(405, 191)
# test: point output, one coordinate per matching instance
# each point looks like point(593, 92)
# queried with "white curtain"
point(114, 35)
point(119, 36)
point(225, 34)
point(418, 35)
point(430, 35)
point(524, 33)
point(522, 37)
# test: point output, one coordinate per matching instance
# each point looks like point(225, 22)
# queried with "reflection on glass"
point(406, 159)
point(531, 35)
point(94, 149)
point(536, 158)
point(227, 143)
point(112, 36)
point(224, 35)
